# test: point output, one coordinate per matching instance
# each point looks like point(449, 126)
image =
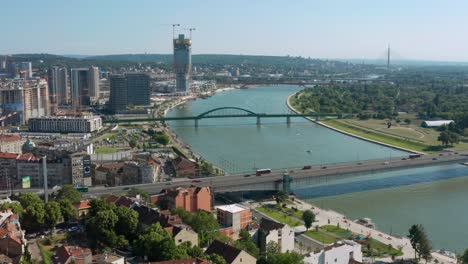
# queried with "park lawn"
point(106, 150)
point(337, 231)
point(321, 236)
point(377, 136)
point(289, 211)
point(282, 218)
point(384, 249)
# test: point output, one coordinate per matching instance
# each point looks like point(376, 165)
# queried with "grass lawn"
point(289, 211)
point(382, 249)
point(337, 231)
point(279, 216)
point(378, 136)
point(106, 150)
point(321, 236)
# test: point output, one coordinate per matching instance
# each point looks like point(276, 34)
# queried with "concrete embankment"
point(288, 103)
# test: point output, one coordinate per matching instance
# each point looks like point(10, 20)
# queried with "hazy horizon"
point(362, 29)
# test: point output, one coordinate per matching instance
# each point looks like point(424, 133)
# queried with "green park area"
point(280, 217)
point(321, 236)
point(47, 246)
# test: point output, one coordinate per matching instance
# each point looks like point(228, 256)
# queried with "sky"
point(331, 29)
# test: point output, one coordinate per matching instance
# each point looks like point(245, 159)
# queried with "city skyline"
point(420, 30)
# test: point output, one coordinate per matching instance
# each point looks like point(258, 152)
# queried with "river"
point(432, 196)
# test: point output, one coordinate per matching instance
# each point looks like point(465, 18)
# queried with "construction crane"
point(190, 29)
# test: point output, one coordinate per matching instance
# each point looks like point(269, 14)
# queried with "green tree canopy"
point(15, 207)
point(216, 259)
point(420, 242)
point(53, 214)
point(127, 222)
point(309, 217)
point(34, 212)
point(464, 257)
point(246, 243)
point(69, 192)
point(67, 209)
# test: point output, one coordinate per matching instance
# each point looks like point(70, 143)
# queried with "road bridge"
point(299, 178)
point(274, 181)
point(227, 112)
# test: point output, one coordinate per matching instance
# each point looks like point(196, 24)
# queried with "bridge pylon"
point(258, 121)
point(196, 122)
point(288, 120)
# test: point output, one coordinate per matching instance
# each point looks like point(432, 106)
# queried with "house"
point(82, 208)
point(184, 167)
point(183, 233)
point(183, 261)
point(122, 200)
point(231, 254)
point(233, 217)
point(12, 240)
point(281, 234)
point(172, 223)
point(72, 254)
point(192, 198)
point(108, 258)
point(109, 173)
point(436, 123)
point(342, 252)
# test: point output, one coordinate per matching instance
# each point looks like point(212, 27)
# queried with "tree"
point(53, 214)
point(274, 256)
point(161, 138)
point(420, 242)
point(309, 217)
point(15, 207)
point(246, 243)
point(67, 209)
point(127, 222)
point(34, 212)
point(281, 197)
point(203, 223)
point(135, 191)
point(69, 192)
point(158, 245)
point(447, 137)
point(464, 257)
point(101, 229)
point(216, 259)
point(132, 143)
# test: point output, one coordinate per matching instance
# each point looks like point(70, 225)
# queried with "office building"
point(58, 87)
point(24, 99)
point(26, 67)
point(129, 89)
point(84, 87)
point(182, 62)
point(65, 124)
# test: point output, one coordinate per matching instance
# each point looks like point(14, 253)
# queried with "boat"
point(367, 222)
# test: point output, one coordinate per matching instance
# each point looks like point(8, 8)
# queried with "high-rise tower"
point(182, 62)
point(58, 87)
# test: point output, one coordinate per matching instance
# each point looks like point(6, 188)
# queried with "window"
point(336, 259)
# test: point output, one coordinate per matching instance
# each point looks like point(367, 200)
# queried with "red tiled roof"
point(28, 157)
point(63, 253)
point(112, 198)
point(9, 138)
point(6, 155)
point(82, 204)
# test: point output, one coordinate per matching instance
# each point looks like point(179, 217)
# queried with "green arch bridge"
point(226, 112)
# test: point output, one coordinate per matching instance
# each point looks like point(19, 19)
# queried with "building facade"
point(24, 99)
point(130, 89)
point(84, 87)
point(58, 87)
point(26, 68)
point(281, 234)
point(236, 216)
point(192, 199)
point(342, 252)
point(11, 143)
point(65, 124)
point(182, 62)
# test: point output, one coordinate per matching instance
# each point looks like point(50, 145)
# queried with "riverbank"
point(288, 103)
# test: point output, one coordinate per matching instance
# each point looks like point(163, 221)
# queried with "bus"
point(262, 171)
point(82, 188)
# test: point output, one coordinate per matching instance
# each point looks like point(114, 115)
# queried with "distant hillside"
point(207, 59)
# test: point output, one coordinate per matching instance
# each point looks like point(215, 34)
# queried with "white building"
point(281, 234)
point(342, 252)
point(436, 123)
point(27, 68)
point(65, 124)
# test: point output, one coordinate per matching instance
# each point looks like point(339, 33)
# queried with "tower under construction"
point(182, 62)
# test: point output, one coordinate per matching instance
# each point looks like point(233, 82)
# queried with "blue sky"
point(415, 29)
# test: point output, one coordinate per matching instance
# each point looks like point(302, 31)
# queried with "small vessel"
point(308, 151)
point(367, 222)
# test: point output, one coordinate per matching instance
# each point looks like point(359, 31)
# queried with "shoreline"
point(348, 133)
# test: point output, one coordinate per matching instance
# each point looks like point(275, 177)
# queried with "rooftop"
point(232, 208)
point(9, 138)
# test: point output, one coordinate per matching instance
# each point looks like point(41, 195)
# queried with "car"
point(168, 183)
point(324, 167)
point(434, 158)
point(126, 188)
point(247, 175)
point(306, 167)
point(386, 163)
point(196, 181)
point(403, 159)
